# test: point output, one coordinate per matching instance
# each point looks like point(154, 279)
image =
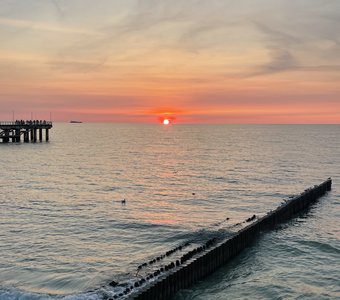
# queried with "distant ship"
point(72, 121)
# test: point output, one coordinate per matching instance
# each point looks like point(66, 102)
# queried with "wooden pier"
point(31, 130)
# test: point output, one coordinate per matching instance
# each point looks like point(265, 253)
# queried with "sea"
point(66, 232)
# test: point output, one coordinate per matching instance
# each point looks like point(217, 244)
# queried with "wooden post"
point(34, 135)
point(47, 136)
point(17, 133)
point(6, 137)
point(26, 136)
point(40, 134)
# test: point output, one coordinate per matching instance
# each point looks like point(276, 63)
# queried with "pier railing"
point(27, 123)
point(207, 260)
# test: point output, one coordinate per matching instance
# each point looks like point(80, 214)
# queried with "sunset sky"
point(199, 61)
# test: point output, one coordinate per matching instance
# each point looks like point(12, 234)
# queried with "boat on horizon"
point(73, 121)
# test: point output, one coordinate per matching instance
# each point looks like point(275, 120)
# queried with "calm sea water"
point(64, 233)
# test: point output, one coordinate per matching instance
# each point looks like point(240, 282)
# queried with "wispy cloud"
point(57, 7)
point(33, 25)
point(76, 66)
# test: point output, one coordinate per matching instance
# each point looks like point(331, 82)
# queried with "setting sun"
point(166, 121)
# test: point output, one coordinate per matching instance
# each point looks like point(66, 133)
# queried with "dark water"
point(65, 234)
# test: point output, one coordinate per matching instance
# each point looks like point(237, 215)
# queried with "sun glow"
point(166, 121)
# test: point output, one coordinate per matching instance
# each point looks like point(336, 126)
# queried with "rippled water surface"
point(65, 234)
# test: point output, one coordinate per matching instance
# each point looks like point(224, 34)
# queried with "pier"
point(31, 130)
point(201, 262)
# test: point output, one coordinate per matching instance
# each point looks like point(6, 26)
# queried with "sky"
point(193, 61)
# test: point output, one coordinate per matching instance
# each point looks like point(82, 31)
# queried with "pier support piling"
point(31, 134)
point(6, 136)
point(40, 134)
point(34, 130)
point(17, 135)
point(26, 136)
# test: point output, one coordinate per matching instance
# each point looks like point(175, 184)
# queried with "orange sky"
point(198, 61)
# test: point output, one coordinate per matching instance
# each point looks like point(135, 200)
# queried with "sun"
point(166, 118)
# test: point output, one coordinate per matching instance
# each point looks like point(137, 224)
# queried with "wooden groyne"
point(31, 130)
point(208, 258)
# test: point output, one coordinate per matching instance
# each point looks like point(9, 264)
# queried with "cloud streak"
point(45, 27)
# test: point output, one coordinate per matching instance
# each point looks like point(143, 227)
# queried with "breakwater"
point(202, 261)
